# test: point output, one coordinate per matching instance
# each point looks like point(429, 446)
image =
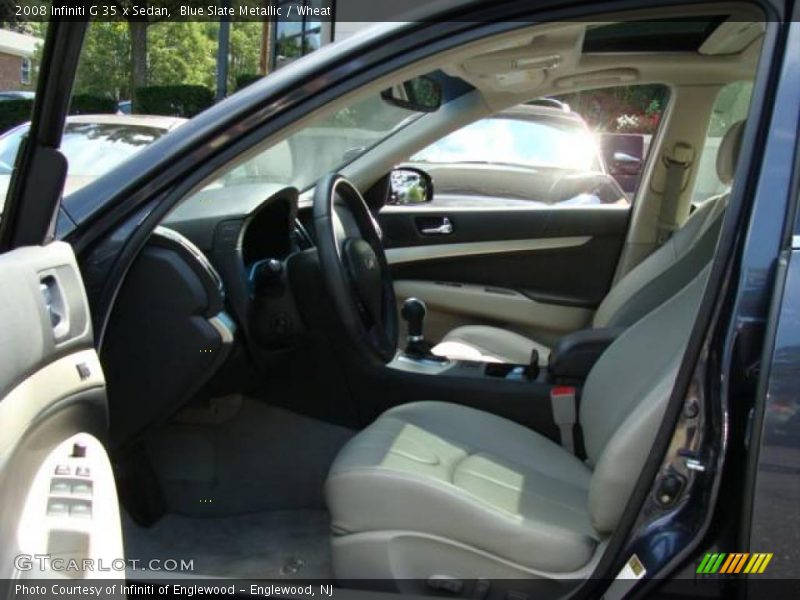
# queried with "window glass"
point(730, 107)
point(138, 79)
point(25, 71)
point(100, 133)
point(322, 146)
point(90, 147)
point(288, 27)
point(93, 148)
point(22, 43)
point(586, 148)
point(9, 145)
point(545, 142)
point(311, 42)
point(295, 35)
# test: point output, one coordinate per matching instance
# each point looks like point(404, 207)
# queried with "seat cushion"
point(490, 344)
point(469, 476)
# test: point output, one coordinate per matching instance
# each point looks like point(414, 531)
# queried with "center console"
point(545, 399)
point(469, 369)
point(523, 393)
point(570, 361)
point(417, 356)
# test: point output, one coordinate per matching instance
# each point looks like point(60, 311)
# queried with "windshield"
point(9, 144)
point(545, 142)
point(91, 149)
point(323, 146)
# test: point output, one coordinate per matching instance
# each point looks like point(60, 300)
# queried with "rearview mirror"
point(410, 186)
point(421, 94)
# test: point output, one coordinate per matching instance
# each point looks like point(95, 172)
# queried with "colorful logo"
point(737, 562)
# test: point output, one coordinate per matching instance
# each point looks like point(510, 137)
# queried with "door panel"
point(56, 485)
point(539, 271)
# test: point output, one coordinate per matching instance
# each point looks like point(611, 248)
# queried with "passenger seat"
point(670, 268)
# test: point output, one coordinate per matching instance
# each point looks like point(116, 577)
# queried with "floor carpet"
point(275, 544)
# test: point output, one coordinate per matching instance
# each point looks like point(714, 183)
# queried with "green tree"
point(288, 48)
point(104, 68)
point(10, 22)
point(178, 53)
point(137, 30)
point(181, 52)
point(245, 50)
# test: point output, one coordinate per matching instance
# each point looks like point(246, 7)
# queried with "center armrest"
point(576, 353)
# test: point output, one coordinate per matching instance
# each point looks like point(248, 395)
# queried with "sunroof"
point(665, 35)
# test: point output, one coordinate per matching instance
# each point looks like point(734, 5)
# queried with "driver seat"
point(654, 280)
point(434, 489)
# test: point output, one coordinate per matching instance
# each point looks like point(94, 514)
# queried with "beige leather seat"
point(439, 489)
point(657, 278)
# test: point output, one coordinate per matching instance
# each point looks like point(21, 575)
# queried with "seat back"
point(678, 261)
point(625, 397)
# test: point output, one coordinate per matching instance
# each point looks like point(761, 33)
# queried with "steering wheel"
point(354, 266)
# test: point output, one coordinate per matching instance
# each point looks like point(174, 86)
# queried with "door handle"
point(55, 306)
point(446, 228)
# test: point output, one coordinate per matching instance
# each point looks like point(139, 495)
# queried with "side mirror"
point(421, 94)
point(624, 155)
point(353, 153)
point(409, 186)
point(625, 164)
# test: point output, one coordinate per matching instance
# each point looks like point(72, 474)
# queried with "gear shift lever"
point(413, 312)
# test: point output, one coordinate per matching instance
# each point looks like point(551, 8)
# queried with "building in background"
point(288, 38)
point(16, 60)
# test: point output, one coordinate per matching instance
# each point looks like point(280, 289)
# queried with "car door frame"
point(727, 357)
point(771, 321)
point(261, 111)
point(56, 481)
point(40, 169)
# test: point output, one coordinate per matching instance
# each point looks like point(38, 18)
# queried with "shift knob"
point(413, 312)
point(266, 275)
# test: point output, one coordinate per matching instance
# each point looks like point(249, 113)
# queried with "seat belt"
point(677, 163)
point(562, 401)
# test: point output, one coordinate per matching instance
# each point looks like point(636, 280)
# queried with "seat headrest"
point(728, 153)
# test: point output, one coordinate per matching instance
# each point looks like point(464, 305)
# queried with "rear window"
point(92, 149)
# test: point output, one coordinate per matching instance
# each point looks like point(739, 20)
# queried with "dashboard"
point(250, 233)
point(192, 286)
point(269, 232)
point(256, 221)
